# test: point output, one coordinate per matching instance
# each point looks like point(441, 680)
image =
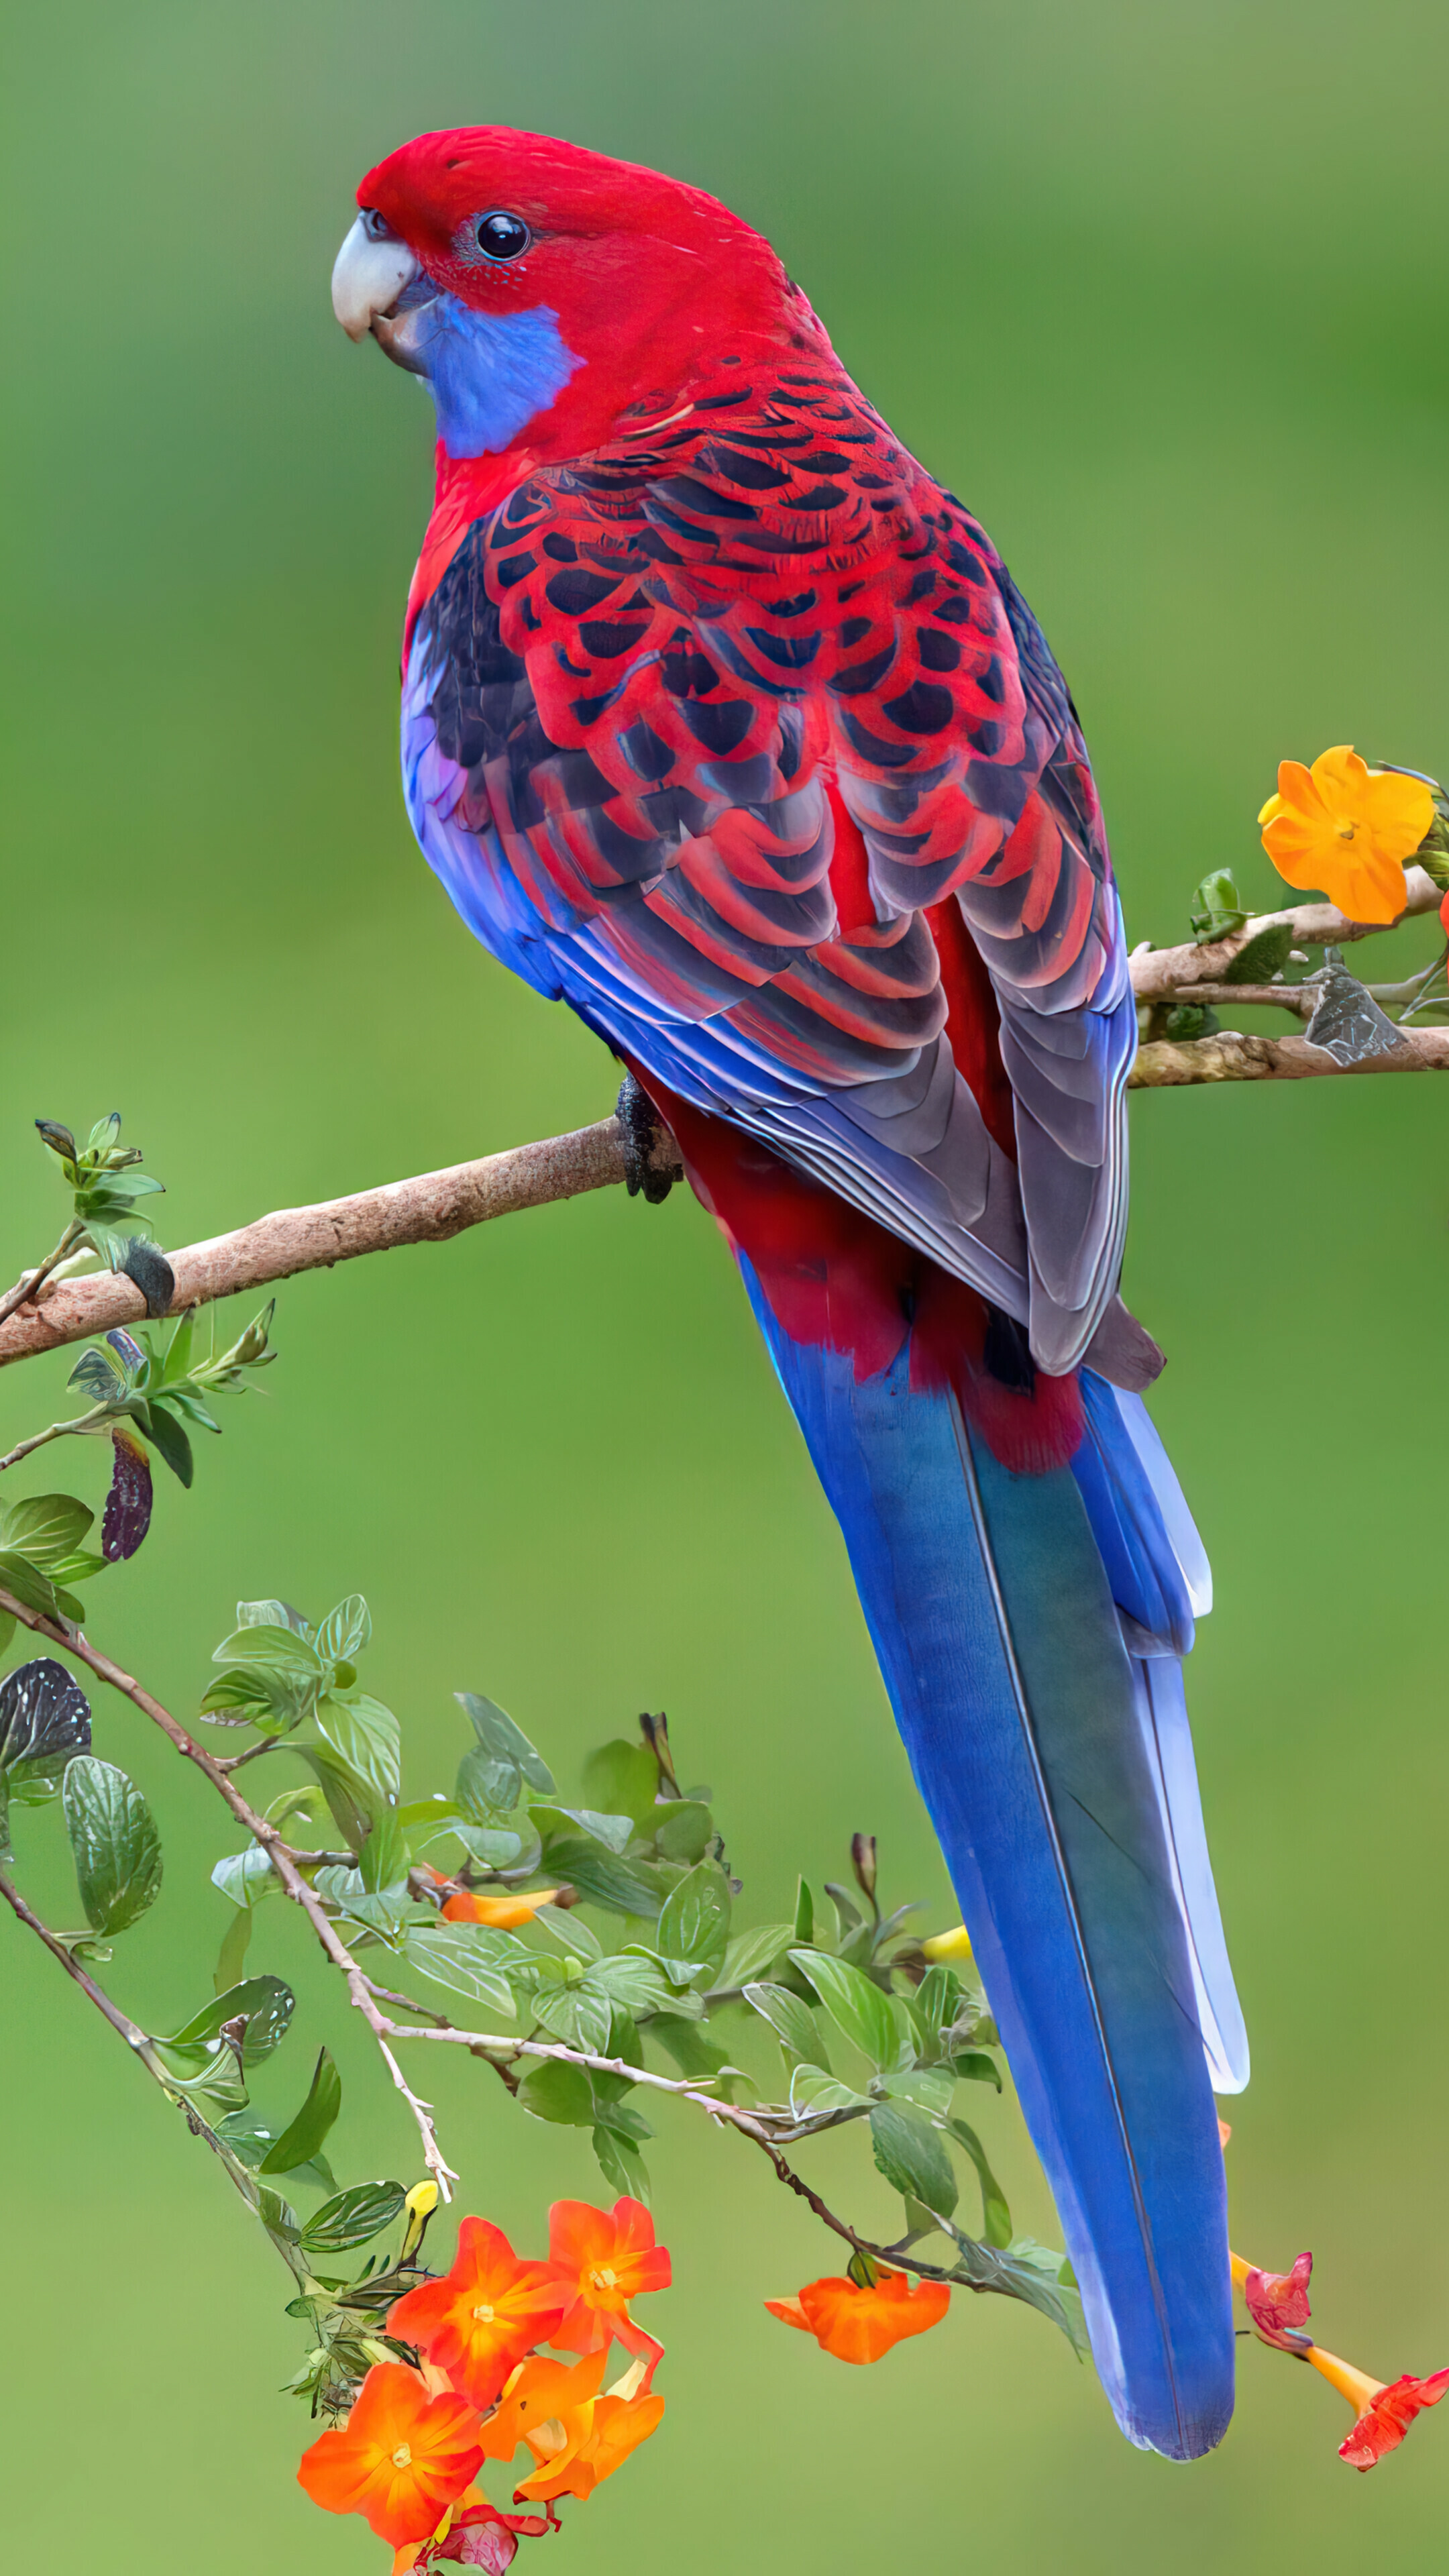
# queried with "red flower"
point(482, 2316)
point(400, 2459)
point(1384, 2413)
point(860, 2325)
point(1277, 2300)
point(601, 2259)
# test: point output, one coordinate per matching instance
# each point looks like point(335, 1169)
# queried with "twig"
point(137, 2040)
point(277, 1849)
point(130, 2031)
point(1231, 1057)
point(497, 2043)
point(30, 1280)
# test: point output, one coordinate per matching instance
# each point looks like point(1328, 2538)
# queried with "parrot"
point(724, 723)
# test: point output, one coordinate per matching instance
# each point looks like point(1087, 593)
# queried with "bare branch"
point(1163, 1065)
point(1301, 999)
point(430, 1209)
point(1158, 972)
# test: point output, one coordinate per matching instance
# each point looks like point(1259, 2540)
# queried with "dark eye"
point(376, 226)
point(501, 236)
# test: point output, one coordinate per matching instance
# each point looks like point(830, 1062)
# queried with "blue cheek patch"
point(490, 373)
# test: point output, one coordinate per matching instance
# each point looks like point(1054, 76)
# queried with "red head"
point(549, 293)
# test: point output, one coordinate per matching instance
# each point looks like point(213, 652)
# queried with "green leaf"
point(578, 2015)
point(267, 1646)
point(367, 1737)
point(1028, 2272)
point(26, 1584)
point(245, 1699)
point(487, 1788)
point(694, 1921)
point(857, 2007)
point(167, 1437)
point(995, 2216)
point(246, 1876)
point(491, 1849)
point(568, 1928)
point(622, 1779)
point(792, 2022)
point(813, 2091)
point(271, 1614)
point(231, 1958)
point(97, 1372)
point(909, 2152)
point(345, 1631)
point(683, 1829)
point(499, 1737)
point(469, 1959)
point(569, 2095)
point(117, 1848)
point(929, 2086)
point(936, 2002)
point(1217, 910)
point(384, 1857)
point(634, 1982)
point(619, 1886)
point(804, 1913)
point(353, 2217)
point(693, 2052)
point(46, 1528)
point(622, 2166)
point(350, 1803)
point(750, 1953)
point(266, 2004)
point(614, 1832)
point(975, 2067)
point(1263, 958)
point(177, 1363)
point(309, 2131)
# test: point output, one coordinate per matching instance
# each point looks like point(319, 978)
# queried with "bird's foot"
point(647, 1144)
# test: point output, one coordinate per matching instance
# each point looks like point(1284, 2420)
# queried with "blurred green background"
point(1162, 292)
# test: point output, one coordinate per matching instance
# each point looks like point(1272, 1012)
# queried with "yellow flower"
point(955, 1944)
point(1347, 829)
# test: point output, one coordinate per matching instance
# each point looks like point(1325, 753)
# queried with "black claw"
point(644, 1131)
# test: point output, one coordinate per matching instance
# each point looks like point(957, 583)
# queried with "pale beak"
point(368, 279)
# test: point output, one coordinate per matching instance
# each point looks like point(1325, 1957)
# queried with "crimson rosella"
point(724, 723)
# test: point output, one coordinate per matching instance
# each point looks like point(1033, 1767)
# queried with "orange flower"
point(576, 2436)
point(575, 2451)
point(501, 1913)
point(483, 2315)
point(1347, 829)
point(537, 2391)
point(400, 2459)
point(602, 2259)
point(860, 2325)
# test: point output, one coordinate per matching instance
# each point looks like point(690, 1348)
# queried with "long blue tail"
point(1057, 1769)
